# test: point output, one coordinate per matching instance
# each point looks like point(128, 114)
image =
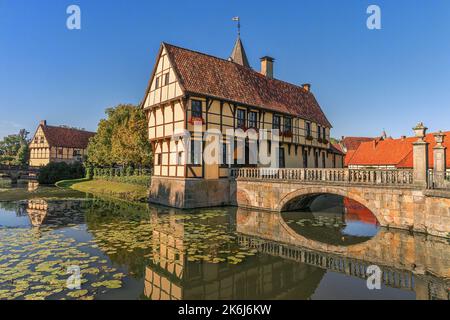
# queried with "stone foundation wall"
point(189, 193)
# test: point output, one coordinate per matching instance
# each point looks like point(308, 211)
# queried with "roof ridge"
point(239, 66)
point(68, 128)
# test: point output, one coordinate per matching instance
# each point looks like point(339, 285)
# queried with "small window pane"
point(276, 122)
point(196, 109)
point(252, 119)
point(240, 118)
point(287, 124)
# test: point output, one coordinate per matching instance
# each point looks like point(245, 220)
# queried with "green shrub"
point(57, 171)
point(89, 172)
point(129, 171)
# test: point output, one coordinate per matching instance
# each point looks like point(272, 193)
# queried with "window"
point(319, 132)
point(60, 151)
point(287, 124)
point(158, 159)
point(196, 109)
point(324, 133)
point(316, 159)
point(240, 118)
point(253, 119)
point(166, 79)
point(305, 158)
point(196, 152)
point(324, 164)
point(42, 139)
point(308, 129)
point(224, 154)
point(276, 122)
point(281, 158)
point(76, 153)
point(157, 83)
point(180, 158)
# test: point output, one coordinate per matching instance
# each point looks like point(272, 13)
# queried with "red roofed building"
point(58, 144)
point(394, 153)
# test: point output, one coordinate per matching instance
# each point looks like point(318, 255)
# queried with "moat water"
point(76, 246)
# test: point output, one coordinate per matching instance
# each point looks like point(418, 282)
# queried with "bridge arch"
point(303, 195)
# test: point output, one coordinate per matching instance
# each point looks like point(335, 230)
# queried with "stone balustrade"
point(439, 180)
point(353, 176)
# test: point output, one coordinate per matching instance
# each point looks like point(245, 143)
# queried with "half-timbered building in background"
point(189, 87)
point(58, 144)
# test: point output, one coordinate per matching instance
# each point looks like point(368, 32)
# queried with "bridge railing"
point(439, 180)
point(356, 176)
point(5, 167)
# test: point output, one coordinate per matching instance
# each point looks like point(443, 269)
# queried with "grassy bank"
point(114, 189)
point(43, 192)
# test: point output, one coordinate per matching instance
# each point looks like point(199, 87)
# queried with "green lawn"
point(124, 191)
point(69, 183)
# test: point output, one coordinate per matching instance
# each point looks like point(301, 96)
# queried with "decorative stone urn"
point(439, 138)
point(420, 131)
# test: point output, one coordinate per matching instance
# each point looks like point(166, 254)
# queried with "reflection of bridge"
point(409, 262)
point(19, 172)
point(395, 197)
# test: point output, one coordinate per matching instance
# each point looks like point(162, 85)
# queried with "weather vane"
point(238, 24)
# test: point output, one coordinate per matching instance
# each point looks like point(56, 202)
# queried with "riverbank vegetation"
point(57, 171)
point(114, 189)
point(121, 139)
point(14, 149)
point(128, 175)
point(42, 192)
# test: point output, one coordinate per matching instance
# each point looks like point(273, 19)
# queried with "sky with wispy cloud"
point(365, 80)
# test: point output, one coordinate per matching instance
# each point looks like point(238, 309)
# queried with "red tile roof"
point(336, 148)
point(207, 75)
point(352, 143)
point(395, 152)
point(348, 157)
point(67, 137)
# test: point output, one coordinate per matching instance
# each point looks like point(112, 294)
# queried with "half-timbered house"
point(188, 87)
point(58, 144)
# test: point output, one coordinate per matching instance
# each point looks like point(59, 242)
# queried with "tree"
point(14, 148)
point(121, 139)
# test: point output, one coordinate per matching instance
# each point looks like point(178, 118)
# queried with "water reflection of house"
point(32, 186)
point(37, 211)
point(171, 276)
point(42, 211)
point(354, 211)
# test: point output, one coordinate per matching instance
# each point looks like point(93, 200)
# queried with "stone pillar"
point(420, 156)
point(439, 159)
point(439, 153)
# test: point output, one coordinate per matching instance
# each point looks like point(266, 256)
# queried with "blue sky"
point(365, 80)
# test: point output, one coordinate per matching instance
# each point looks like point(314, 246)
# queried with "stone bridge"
point(413, 262)
point(394, 196)
point(18, 172)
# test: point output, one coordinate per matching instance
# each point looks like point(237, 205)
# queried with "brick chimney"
point(307, 86)
point(43, 123)
point(267, 66)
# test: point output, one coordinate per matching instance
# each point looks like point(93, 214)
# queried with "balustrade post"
point(439, 159)
point(420, 156)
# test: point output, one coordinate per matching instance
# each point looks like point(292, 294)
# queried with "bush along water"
point(139, 176)
point(57, 171)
